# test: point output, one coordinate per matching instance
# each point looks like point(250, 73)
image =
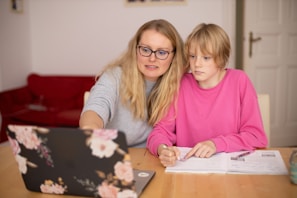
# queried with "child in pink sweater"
point(216, 109)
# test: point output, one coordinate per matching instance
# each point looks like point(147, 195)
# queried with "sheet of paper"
point(215, 164)
point(258, 162)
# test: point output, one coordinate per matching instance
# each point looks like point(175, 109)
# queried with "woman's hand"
point(168, 155)
point(202, 149)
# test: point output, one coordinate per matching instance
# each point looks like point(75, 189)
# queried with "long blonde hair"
point(132, 90)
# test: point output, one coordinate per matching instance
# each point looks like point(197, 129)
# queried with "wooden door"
point(270, 59)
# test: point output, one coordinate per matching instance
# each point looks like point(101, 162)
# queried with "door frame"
point(239, 35)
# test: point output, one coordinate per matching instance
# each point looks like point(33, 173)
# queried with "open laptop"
point(72, 161)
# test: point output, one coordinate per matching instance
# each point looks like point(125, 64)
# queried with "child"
point(216, 109)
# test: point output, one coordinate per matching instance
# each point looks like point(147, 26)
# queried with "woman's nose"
point(152, 57)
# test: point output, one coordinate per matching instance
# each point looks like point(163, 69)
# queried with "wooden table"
point(173, 185)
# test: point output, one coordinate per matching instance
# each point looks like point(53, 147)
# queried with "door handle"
point(251, 41)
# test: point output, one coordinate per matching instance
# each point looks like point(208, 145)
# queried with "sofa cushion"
point(28, 116)
point(50, 90)
point(68, 118)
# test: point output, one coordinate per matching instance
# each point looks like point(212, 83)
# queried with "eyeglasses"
point(160, 54)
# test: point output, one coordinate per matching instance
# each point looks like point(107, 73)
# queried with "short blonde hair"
point(211, 39)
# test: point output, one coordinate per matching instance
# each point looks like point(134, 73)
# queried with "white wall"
point(15, 46)
point(81, 36)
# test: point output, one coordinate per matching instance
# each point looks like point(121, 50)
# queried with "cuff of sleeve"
point(220, 144)
point(154, 147)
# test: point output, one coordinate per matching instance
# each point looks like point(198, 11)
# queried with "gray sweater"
point(105, 100)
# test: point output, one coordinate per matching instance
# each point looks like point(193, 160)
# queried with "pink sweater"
point(227, 114)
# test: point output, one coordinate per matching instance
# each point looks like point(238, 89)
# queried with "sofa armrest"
point(14, 100)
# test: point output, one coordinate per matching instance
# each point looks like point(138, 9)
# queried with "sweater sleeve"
point(104, 95)
point(163, 132)
point(251, 134)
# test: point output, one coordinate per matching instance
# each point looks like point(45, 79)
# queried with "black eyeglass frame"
point(154, 51)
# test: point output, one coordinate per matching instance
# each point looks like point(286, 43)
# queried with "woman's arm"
point(101, 103)
point(90, 120)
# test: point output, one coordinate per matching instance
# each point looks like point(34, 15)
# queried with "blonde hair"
point(211, 39)
point(132, 90)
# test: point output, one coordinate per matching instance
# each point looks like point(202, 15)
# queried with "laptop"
point(73, 161)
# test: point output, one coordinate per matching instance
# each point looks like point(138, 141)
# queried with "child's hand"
point(202, 149)
point(169, 155)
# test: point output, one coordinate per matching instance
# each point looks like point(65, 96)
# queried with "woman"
point(134, 91)
point(217, 108)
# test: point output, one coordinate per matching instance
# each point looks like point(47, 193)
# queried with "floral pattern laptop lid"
point(73, 161)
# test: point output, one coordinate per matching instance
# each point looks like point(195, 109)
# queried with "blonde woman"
point(135, 91)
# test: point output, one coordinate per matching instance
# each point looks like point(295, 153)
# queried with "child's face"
point(204, 68)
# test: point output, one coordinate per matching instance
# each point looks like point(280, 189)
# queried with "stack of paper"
point(258, 162)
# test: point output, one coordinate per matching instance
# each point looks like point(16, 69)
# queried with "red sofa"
point(46, 100)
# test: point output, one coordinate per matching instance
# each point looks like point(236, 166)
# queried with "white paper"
point(258, 162)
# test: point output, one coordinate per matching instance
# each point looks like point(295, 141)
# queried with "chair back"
point(86, 96)
point(264, 103)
